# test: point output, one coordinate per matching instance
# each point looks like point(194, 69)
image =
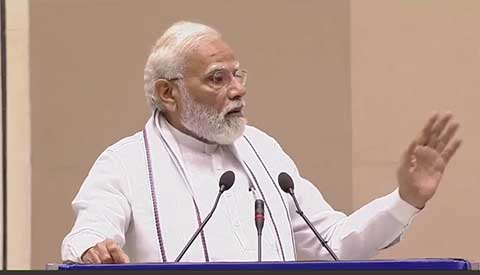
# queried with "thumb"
point(117, 253)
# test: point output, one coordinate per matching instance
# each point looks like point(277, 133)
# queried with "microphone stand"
point(194, 236)
point(259, 221)
point(300, 212)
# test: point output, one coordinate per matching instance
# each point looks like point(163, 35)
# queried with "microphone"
point(259, 219)
point(286, 183)
point(226, 182)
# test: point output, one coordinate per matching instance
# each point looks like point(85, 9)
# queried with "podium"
point(410, 264)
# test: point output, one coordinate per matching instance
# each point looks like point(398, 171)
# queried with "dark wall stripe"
point(4, 131)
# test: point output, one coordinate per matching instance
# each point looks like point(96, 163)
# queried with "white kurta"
point(152, 215)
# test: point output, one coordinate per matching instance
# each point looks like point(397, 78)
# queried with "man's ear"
point(165, 95)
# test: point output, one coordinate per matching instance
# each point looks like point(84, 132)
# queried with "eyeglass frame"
point(231, 74)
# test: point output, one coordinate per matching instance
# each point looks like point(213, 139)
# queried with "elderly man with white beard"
point(147, 194)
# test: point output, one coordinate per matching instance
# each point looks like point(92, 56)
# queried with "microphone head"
point(259, 207)
point(226, 180)
point(286, 182)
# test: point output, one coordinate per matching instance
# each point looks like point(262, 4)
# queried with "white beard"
point(209, 124)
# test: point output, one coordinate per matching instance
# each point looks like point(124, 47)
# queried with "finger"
point(425, 133)
point(438, 128)
point(118, 255)
point(90, 257)
point(103, 254)
point(445, 138)
point(411, 150)
point(448, 153)
point(423, 136)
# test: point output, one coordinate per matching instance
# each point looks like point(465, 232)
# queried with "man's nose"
point(236, 89)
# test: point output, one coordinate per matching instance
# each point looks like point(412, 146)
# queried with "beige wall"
point(86, 68)
point(19, 228)
point(408, 58)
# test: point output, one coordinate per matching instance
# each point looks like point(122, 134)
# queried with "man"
point(147, 194)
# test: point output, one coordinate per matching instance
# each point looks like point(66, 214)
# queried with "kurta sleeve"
point(101, 208)
point(360, 235)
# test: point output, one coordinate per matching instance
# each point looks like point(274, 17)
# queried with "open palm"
point(423, 163)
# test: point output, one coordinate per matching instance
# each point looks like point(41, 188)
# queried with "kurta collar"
point(189, 141)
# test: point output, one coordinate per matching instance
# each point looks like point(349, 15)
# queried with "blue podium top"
point(410, 264)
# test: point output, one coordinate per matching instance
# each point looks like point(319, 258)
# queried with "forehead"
point(210, 55)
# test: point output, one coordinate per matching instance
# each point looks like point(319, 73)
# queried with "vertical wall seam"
point(4, 133)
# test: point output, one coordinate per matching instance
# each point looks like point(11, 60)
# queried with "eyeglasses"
point(222, 78)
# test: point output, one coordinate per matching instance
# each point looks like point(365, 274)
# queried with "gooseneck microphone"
point(286, 183)
point(259, 220)
point(226, 182)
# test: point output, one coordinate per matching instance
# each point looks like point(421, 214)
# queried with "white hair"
point(167, 57)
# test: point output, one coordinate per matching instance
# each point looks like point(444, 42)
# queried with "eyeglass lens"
point(223, 78)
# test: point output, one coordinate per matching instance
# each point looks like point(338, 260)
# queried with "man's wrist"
point(413, 202)
point(401, 210)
